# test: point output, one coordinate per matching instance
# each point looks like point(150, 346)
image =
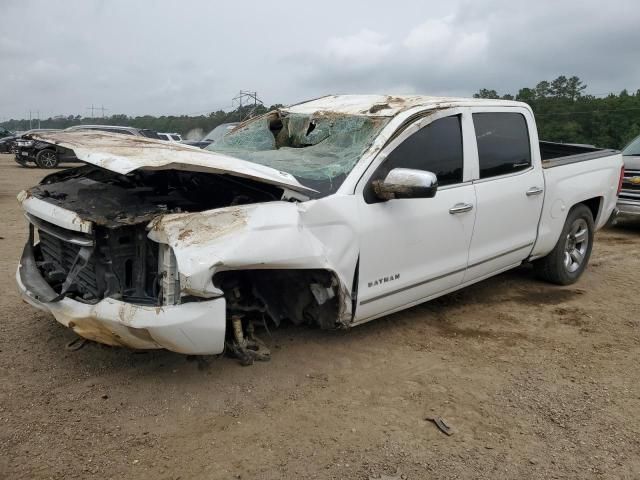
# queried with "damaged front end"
point(183, 260)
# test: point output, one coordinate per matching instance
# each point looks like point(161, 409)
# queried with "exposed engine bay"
point(118, 260)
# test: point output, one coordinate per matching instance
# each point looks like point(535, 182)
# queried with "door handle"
point(460, 208)
point(534, 191)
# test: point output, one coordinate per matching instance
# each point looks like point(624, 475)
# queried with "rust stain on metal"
point(185, 234)
point(377, 108)
point(200, 227)
point(91, 329)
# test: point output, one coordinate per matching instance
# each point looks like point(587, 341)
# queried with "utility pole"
point(102, 109)
point(245, 97)
point(92, 108)
point(32, 119)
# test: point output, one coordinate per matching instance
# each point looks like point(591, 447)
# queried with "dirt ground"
point(537, 381)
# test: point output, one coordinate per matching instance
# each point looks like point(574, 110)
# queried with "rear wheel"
point(47, 159)
point(568, 259)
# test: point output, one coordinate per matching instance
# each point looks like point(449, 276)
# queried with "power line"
point(247, 96)
point(95, 108)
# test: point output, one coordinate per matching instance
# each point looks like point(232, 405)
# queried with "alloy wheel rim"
point(48, 159)
point(576, 245)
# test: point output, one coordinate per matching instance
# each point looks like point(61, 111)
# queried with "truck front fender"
point(317, 234)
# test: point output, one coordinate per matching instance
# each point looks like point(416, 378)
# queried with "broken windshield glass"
point(319, 150)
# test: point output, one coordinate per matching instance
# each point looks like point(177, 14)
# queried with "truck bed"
point(557, 154)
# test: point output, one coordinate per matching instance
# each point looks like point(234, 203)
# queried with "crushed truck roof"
point(386, 105)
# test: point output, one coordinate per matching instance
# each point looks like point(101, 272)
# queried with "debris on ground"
point(441, 424)
point(76, 344)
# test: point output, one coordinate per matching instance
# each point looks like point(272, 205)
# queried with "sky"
point(193, 56)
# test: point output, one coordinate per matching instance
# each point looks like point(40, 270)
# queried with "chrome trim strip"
point(455, 185)
point(629, 193)
point(424, 282)
point(530, 244)
point(408, 287)
point(59, 232)
point(506, 175)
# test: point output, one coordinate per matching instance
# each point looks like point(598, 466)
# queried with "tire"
point(47, 159)
point(568, 259)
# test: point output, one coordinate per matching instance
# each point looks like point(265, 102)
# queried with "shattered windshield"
point(319, 149)
point(219, 132)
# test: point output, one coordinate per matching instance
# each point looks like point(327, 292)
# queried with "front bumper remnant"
point(628, 208)
point(196, 328)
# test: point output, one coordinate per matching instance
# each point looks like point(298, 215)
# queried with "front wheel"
point(568, 259)
point(47, 159)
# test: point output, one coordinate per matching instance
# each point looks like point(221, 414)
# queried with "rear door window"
point(503, 143)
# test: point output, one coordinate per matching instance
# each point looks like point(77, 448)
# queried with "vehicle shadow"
point(626, 225)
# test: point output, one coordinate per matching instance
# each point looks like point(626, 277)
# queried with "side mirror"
point(406, 183)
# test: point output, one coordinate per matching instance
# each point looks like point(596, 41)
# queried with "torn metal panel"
point(195, 328)
point(381, 105)
point(277, 235)
point(53, 214)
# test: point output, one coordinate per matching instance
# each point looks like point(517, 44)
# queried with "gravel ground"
point(536, 381)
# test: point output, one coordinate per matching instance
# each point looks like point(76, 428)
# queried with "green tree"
point(484, 93)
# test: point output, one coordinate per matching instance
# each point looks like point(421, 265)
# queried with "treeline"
point(566, 113)
point(183, 124)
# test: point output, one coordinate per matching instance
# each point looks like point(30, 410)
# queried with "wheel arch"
point(312, 295)
point(594, 205)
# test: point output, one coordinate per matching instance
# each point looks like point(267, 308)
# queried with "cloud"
point(501, 44)
point(433, 49)
point(363, 49)
point(444, 40)
point(152, 57)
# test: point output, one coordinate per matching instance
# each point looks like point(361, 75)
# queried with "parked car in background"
point(170, 137)
point(332, 213)
point(139, 132)
point(213, 136)
point(629, 200)
point(7, 141)
point(26, 149)
point(48, 155)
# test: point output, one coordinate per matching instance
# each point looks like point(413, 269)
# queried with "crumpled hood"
point(123, 154)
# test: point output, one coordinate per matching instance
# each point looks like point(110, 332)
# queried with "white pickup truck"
point(331, 212)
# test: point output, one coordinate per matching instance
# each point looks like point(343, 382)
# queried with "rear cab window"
point(503, 143)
